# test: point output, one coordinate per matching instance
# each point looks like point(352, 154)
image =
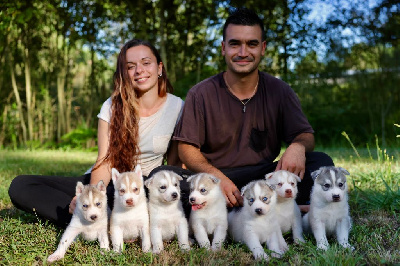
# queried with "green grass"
point(374, 204)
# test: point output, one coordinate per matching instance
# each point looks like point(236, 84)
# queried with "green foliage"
point(379, 188)
point(81, 137)
point(345, 69)
point(182, 85)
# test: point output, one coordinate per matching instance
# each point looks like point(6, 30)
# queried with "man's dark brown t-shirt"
point(213, 120)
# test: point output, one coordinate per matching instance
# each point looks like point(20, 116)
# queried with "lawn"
point(374, 204)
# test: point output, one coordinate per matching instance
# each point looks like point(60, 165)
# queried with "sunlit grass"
point(25, 239)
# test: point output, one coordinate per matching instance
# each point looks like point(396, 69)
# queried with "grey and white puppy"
point(255, 223)
point(209, 215)
point(329, 209)
point(167, 218)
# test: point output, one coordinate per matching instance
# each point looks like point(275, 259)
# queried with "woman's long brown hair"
point(123, 150)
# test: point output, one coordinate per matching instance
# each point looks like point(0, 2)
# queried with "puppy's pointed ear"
point(148, 182)
point(316, 173)
point(243, 190)
point(114, 175)
point(138, 170)
point(102, 187)
point(190, 178)
point(268, 179)
point(296, 177)
point(79, 188)
point(268, 176)
point(178, 177)
point(214, 179)
point(344, 171)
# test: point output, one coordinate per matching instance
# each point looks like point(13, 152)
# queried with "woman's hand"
point(72, 205)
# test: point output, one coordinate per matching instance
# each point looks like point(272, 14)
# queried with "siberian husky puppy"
point(89, 219)
point(130, 217)
point(329, 210)
point(209, 214)
point(288, 213)
point(167, 218)
point(255, 223)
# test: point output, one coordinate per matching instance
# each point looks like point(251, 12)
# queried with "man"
point(233, 123)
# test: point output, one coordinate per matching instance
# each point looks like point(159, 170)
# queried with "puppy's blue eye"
point(163, 187)
point(98, 204)
point(265, 199)
point(251, 200)
point(203, 190)
point(340, 184)
point(85, 206)
point(327, 186)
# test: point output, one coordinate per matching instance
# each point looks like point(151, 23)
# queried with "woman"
point(135, 127)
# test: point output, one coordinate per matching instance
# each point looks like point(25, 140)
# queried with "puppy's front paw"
point(322, 246)
point(54, 257)
point(104, 250)
point(157, 250)
point(347, 245)
point(299, 240)
point(146, 248)
point(261, 256)
point(185, 247)
point(216, 247)
point(276, 254)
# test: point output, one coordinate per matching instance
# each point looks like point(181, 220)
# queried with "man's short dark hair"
point(245, 17)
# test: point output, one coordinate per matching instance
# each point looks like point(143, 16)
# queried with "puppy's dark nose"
point(336, 197)
point(192, 199)
point(174, 195)
point(258, 211)
point(93, 217)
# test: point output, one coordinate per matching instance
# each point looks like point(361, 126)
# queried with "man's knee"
point(315, 160)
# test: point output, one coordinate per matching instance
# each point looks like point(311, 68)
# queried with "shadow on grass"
point(23, 217)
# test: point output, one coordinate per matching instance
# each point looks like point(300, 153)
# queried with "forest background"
point(57, 59)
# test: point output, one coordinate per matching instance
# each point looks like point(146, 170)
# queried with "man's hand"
point(231, 192)
point(72, 205)
point(293, 160)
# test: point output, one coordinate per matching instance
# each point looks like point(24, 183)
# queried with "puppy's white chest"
point(91, 232)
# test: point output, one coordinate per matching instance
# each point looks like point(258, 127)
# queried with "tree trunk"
point(28, 93)
point(61, 79)
point(61, 125)
point(18, 100)
point(3, 126)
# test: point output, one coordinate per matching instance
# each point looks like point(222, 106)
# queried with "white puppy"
point(130, 217)
point(167, 218)
point(288, 213)
point(209, 214)
point(255, 223)
point(329, 210)
point(89, 219)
